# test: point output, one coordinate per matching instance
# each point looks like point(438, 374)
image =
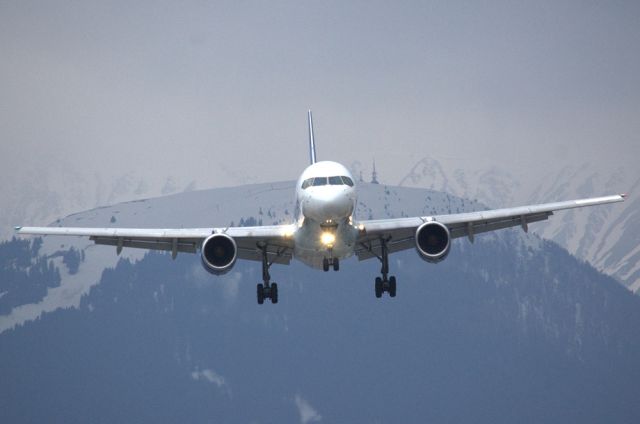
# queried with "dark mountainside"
point(21, 281)
point(510, 329)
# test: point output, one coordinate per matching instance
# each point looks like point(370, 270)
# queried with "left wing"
point(276, 238)
point(399, 233)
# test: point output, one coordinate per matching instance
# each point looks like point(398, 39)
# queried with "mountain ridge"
point(608, 238)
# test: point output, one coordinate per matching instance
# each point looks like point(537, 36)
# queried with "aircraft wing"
point(276, 237)
point(401, 231)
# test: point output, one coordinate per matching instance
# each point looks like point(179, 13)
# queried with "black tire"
point(274, 293)
point(378, 287)
point(392, 286)
point(260, 293)
point(336, 264)
point(325, 264)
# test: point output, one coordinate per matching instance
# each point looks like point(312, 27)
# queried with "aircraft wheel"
point(274, 293)
point(378, 287)
point(325, 264)
point(336, 264)
point(260, 294)
point(392, 286)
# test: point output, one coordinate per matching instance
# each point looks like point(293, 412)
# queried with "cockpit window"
point(348, 181)
point(320, 181)
point(306, 183)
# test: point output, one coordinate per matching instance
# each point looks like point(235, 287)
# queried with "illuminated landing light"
point(288, 232)
point(328, 239)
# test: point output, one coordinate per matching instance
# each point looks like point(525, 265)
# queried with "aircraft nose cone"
point(337, 207)
point(329, 206)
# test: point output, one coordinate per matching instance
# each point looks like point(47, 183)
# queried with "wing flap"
point(463, 229)
point(373, 248)
point(181, 245)
point(275, 255)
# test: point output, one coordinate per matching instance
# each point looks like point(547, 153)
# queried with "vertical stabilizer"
point(312, 143)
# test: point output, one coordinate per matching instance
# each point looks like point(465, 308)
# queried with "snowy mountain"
point(608, 238)
point(509, 329)
point(52, 193)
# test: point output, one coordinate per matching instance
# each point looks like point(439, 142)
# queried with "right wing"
point(277, 239)
point(400, 232)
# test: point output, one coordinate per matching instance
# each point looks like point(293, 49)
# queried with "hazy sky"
point(218, 91)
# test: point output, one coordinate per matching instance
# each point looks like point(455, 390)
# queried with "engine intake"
point(433, 241)
point(219, 253)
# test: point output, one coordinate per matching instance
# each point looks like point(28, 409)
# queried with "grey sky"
point(218, 91)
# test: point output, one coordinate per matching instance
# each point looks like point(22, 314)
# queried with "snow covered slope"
point(608, 237)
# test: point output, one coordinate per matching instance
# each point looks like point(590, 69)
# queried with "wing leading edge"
point(400, 233)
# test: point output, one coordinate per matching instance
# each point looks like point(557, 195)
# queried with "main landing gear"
point(385, 283)
point(266, 290)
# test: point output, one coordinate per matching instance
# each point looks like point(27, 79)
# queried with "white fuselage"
point(325, 202)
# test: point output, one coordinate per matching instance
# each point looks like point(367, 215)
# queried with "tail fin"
point(312, 144)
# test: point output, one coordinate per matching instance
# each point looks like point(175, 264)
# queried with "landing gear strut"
point(334, 262)
point(385, 283)
point(266, 290)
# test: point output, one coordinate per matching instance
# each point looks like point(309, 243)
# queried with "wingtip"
point(624, 195)
point(17, 228)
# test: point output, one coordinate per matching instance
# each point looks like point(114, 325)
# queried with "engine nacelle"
point(219, 253)
point(433, 241)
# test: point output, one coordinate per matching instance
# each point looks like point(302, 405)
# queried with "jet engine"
point(219, 253)
point(433, 241)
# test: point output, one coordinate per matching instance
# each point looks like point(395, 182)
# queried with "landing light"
point(328, 239)
point(288, 232)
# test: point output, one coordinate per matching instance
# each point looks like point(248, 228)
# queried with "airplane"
point(324, 231)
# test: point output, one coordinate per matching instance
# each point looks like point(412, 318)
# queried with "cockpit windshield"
point(348, 181)
point(320, 181)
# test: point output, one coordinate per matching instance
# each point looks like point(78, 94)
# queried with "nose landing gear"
point(333, 262)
